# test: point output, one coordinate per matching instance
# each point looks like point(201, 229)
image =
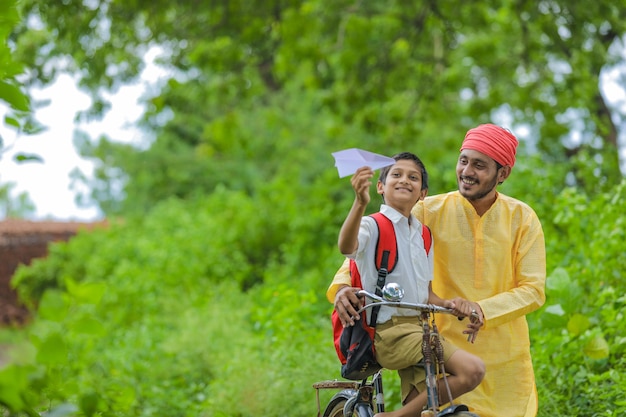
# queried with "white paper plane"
point(349, 160)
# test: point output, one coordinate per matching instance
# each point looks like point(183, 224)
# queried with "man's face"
point(477, 175)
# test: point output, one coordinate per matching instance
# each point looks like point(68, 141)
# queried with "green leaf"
point(89, 403)
point(88, 324)
point(597, 348)
point(28, 158)
point(12, 121)
point(559, 280)
point(577, 324)
point(13, 380)
point(86, 292)
point(553, 317)
point(14, 96)
point(53, 305)
point(52, 350)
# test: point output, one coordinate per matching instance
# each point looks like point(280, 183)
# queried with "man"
point(489, 248)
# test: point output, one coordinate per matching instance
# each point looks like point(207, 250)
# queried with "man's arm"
point(343, 295)
point(529, 293)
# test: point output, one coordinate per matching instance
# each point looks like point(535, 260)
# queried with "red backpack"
point(355, 347)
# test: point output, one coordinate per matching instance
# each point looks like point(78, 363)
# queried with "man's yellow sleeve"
point(341, 279)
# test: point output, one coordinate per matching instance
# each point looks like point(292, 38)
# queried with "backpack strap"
point(386, 256)
point(386, 248)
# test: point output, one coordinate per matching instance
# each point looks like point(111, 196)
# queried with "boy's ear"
point(379, 187)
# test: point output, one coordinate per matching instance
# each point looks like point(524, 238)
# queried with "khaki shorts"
point(398, 345)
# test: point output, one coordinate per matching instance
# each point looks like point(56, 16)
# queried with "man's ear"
point(503, 173)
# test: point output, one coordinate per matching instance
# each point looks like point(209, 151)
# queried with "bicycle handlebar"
point(380, 301)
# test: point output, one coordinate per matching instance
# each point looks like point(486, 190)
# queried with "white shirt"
point(414, 269)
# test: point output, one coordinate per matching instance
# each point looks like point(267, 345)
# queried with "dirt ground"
point(22, 241)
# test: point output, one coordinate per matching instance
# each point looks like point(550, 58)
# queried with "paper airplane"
point(349, 160)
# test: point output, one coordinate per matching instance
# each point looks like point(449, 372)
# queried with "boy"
point(398, 331)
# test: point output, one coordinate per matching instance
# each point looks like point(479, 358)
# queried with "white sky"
point(48, 183)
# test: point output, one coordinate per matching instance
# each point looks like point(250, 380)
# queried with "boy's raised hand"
point(361, 182)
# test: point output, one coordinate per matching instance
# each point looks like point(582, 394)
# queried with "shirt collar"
point(394, 215)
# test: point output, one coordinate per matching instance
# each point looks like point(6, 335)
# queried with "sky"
point(48, 183)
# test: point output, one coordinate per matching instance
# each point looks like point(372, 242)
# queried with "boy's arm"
point(340, 292)
point(349, 233)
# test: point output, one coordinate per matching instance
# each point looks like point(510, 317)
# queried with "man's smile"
point(468, 181)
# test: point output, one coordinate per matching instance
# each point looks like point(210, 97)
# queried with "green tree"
point(392, 72)
point(18, 115)
point(10, 90)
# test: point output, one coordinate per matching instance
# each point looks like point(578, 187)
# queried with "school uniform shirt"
point(498, 260)
point(413, 270)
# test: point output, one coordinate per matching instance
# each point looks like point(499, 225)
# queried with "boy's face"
point(403, 185)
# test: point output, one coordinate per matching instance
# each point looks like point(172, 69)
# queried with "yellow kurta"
point(499, 261)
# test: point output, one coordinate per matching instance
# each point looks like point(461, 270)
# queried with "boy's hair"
point(411, 157)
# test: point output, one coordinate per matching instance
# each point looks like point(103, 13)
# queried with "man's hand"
point(347, 303)
point(465, 308)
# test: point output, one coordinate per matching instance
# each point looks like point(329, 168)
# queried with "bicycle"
point(359, 399)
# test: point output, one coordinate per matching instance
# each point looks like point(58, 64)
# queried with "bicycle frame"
point(358, 397)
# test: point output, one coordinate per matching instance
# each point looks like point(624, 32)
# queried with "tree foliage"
point(18, 114)
point(10, 90)
point(392, 73)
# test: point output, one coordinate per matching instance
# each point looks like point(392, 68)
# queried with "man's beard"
point(480, 194)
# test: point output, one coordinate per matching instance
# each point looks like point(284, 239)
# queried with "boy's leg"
point(399, 347)
point(413, 406)
point(465, 371)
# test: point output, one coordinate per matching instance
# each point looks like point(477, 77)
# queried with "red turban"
point(494, 141)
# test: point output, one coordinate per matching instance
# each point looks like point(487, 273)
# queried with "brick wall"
point(22, 241)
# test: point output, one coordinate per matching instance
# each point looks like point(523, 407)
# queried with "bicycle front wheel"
point(464, 414)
